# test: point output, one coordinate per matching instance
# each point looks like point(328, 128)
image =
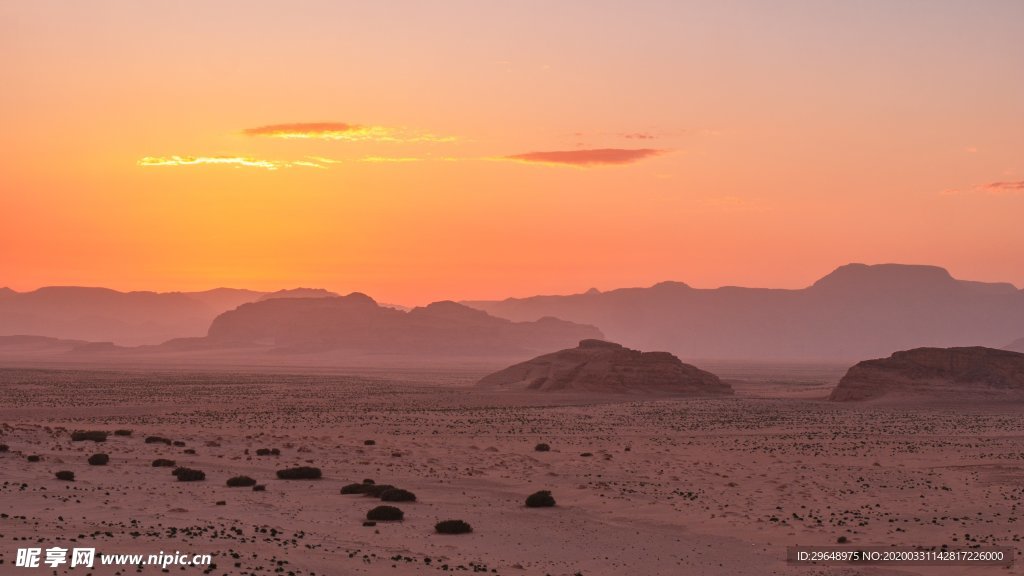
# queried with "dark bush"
point(221, 503)
point(99, 460)
point(368, 481)
point(841, 540)
point(162, 463)
point(178, 443)
point(241, 481)
point(542, 447)
point(189, 451)
point(66, 475)
point(122, 432)
point(369, 442)
point(376, 490)
point(385, 513)
point(268, 452)
point(158, 440)
point(542, 499)
point(33, 458)
point(586, 454)
point(189, 475)
point(354, 488)
point(4, 447)
point(453, 527)
point(93, 435)
point(397, 495)
point(259, 488)
point(300, 473)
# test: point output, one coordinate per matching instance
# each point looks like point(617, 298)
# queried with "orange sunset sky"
point(418, 151)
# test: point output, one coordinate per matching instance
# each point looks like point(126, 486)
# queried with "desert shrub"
point(300, 473)
point(586, 454)
point(397, 495)
point(99, 460)
point(453, 527)
point(91, 435)
point(385, 513)
point(33, 458)
point(268, 452)
point(841, 540)
point(189, 451)
point(542, 499)
point(221, 503)
point(369, 442)
point(4, 447)
point(259, 488)
point(376, 490)
point(66, 475)
point(122, 432)
point(178, 443)
point(368, 481)
point(163, 463)
point(241, 481)
point(542, 447)
point(158, 440)
point(354, 488)
point(189, 474)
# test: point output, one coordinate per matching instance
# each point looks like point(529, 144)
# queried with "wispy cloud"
point(390, 159)
point(1006, 188)
point(236, 161)
point(343, 132)
point(586, 158)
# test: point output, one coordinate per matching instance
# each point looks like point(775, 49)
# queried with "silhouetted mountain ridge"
point(855, 311)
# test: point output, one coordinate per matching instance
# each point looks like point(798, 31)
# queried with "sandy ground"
point(643, 486)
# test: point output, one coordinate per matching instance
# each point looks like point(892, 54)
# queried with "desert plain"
point(643, 485)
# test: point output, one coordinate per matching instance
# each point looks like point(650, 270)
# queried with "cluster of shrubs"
point(386, 492)
point(122, 432)
point(542, 447)
point(4, 447)
point(33, 458)
point(91, 435)
point(241, 481)
point(300, 473)
point(158, 440)
point(188, 474)
point(268, 452)
point(163, 463)
point(453, 527)
point(99, 459)
point(66, 475)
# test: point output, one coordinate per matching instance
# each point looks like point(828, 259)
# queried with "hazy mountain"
point(856, 311)
point(125, 318)
point(1016, 345)
point(298, 293)
point(356, 323)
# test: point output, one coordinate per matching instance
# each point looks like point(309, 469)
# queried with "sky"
point(419, 151)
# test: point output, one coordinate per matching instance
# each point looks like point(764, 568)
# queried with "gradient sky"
point(418, 151)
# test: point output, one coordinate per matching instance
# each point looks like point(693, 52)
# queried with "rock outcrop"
point(356, 323)
point(604, 367)
point(936, 373)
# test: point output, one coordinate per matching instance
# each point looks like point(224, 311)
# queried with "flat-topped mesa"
point(605, 367)
point(971, 373)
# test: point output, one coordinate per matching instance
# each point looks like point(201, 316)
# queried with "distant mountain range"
point(857, 311)
point(127, 318)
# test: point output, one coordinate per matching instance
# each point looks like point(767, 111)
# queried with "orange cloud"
point(1012, 188)
point(583, 158)
point(344, 132)
point(237, 161)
